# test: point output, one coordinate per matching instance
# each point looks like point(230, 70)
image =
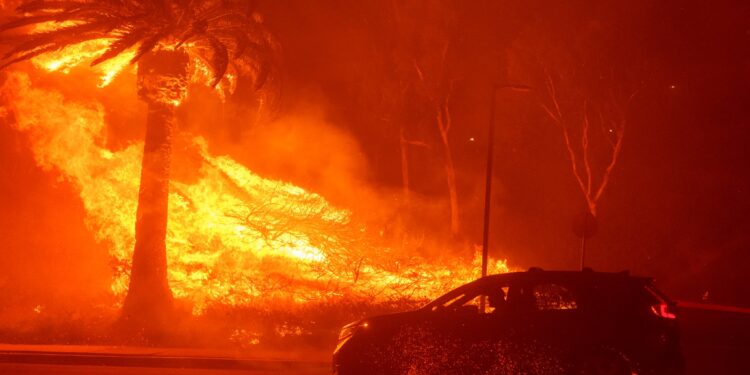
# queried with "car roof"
point(535, 275)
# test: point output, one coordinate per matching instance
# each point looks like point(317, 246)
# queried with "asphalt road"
point(36, 369)
point(701, 359)
point(715, 341)
point(89, 360)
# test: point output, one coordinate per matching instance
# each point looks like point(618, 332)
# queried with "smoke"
point(308, 146)
point(303, 147)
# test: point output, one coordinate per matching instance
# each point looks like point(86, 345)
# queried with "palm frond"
point(29, 55)
point(17, 22)
point(263, 72)
point(219, 59)
point(147, 45)
point(122, 43)
point(67, 35)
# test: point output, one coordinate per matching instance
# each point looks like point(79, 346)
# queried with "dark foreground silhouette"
point(535, 322)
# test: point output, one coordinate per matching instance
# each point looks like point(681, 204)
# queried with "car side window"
point(491, 297)
point(450, 302)
point(472, 301)
point(551, 296)
point(466, 302)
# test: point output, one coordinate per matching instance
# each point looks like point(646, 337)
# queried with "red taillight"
point(662, 310)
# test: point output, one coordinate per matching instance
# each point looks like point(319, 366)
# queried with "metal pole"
point(488, 192)
point(488, 182)
point(583, 252)
point(583, 238)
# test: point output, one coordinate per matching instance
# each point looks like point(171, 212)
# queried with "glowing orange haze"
point(234, 238)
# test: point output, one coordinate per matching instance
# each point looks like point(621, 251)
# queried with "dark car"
point(535, 322)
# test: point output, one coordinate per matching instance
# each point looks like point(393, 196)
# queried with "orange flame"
point(234, 238)
point(74, 55)
point(67, 58)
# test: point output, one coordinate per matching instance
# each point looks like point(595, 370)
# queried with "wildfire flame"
point(67, 58)
point(234, 238)
point(74, 55)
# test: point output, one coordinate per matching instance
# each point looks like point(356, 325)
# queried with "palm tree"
point(169, 37)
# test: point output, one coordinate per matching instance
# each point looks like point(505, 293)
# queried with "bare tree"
point(583, 117)
point(405, 143)
point(438, 88)
point(423, 64)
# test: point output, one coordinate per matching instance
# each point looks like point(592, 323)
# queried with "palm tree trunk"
point(162, 83)
point(149, 298)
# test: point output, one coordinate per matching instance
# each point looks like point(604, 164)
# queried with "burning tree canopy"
point(225, 37)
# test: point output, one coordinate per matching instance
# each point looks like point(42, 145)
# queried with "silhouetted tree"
point(584, 94)
point(425, 56)
point(597, 120)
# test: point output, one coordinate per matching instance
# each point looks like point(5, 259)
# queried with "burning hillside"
point(234, 238)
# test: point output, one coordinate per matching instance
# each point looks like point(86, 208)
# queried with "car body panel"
point(545, 322)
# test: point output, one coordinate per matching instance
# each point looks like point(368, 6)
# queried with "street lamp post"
point(488, 182)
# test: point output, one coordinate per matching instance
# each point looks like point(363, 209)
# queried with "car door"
point(482, 328)
point(466, 333)
point(545, 320)
point(556, 317)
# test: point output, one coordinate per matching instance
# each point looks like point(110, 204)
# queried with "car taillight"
point(663, 310)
